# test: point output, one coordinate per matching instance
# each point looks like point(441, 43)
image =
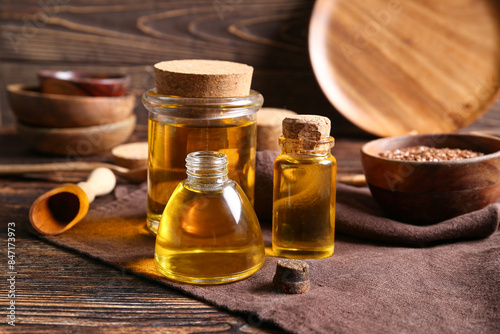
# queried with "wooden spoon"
point(134, 175)
point(131, 164)
point(62, 208)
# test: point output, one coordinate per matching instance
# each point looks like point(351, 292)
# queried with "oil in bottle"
point(169, 144)
point(304, 190)
point(209, 232)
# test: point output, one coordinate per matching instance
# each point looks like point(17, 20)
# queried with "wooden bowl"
point(83, 83)
point(429, 192)
point(32, 107)
point(77, 141)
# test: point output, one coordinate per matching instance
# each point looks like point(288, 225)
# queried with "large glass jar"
point(180, 125)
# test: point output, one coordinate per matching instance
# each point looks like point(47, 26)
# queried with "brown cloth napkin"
point(358, 214)
point(365, 287)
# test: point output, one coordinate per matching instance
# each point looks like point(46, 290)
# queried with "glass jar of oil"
point(180, 125)
point(304, 190)
point(209, 232)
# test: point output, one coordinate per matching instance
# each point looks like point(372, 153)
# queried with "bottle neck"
point(306, 147)
point(206, 169)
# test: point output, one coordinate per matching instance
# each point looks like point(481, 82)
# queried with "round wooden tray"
point(400, 66)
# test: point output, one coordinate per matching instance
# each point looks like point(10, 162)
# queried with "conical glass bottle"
point(209, 232)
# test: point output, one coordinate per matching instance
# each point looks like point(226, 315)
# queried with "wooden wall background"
point(131, 35)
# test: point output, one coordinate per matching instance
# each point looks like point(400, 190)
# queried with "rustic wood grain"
point(407, 66)
point(61, 292)
point(130, 37)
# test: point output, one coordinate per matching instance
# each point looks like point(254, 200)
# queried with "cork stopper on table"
point(269, 122)
point(292, 276)
point(203, 78)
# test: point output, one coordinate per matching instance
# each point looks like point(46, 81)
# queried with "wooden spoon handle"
point(52, 167)
point(357, 180)
point(100, 182)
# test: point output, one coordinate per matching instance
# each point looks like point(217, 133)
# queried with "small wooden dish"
point(131, 155)
point(33, 107)
point(428, 192)
point(398, 67)
point(77, 141)
point(83, 83)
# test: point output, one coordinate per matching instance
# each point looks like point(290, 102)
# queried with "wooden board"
point(400, 66)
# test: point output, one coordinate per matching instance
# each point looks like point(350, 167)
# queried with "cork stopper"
point(307, 132)
point(309, 127)
point(203, 78)
point(292, 276)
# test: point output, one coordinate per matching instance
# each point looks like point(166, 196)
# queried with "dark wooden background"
point(131, 35)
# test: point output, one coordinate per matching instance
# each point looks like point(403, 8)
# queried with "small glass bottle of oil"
point(304, 189)
point(209, 232)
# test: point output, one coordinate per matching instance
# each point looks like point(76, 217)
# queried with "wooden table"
point(59, 291)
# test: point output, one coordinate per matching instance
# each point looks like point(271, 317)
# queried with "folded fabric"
point(357, 214)
point(363, 288)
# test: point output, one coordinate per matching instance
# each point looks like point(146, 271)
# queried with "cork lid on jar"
point(310, 127)
point(203, 78)
point(307, 132)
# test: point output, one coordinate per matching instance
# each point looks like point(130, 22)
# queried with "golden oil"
point(170, 144)
point(209, 232)
point(178, 126)
point(304, 207)
point(304, 198)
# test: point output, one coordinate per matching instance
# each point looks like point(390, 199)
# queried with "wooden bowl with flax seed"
point(425, 179)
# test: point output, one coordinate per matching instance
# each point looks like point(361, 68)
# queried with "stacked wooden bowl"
point(73, 113)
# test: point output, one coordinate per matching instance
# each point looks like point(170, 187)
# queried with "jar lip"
point(212, 158)
point(202, 108)
point(155, 99)
point(209, 165)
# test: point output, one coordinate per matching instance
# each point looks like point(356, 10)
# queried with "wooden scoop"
point(62, 208)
